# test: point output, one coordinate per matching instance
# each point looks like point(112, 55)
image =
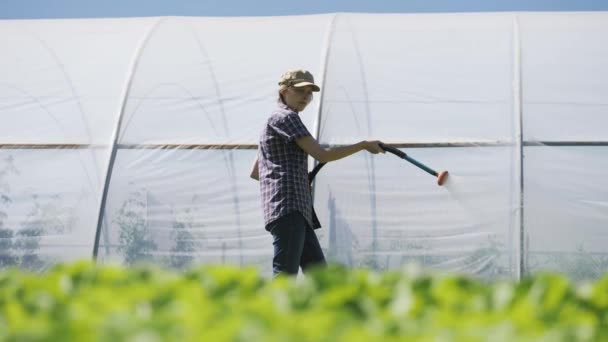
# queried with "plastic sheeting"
point(141, 132)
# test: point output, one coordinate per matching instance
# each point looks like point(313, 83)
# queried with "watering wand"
point(441, 176)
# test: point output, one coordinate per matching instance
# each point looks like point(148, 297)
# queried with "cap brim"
point(304, 84)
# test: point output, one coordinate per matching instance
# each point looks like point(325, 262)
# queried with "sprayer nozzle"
point(442, 177)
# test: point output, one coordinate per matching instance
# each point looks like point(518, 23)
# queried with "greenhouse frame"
point(131, 140)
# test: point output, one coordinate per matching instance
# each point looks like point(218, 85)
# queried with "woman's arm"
point(312, 147)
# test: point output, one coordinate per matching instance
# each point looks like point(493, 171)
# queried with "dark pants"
point(295, 244)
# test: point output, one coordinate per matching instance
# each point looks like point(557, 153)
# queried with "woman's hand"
point(255, 170)
point(373, 146)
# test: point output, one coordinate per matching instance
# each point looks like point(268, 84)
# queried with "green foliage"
point(18, 247)
point(7, 258)
point(136, 242)
point(84, 302)
point(582, 264)
point(185, 246)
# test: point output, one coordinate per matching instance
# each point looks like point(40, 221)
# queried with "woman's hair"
point(282, 87)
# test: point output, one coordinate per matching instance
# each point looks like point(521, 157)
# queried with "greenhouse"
point(131, 140)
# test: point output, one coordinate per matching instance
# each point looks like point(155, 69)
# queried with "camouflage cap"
point(298, 78)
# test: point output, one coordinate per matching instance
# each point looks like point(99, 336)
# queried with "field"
point(84, 302)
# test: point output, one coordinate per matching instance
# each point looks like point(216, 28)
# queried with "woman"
point(282, 169)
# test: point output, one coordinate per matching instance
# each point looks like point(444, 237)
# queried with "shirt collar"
point(282, 105)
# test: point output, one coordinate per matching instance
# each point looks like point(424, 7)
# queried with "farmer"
point(281, 166)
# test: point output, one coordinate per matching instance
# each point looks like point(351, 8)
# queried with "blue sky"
point(20, 9)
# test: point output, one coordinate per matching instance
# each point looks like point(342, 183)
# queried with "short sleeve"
point(291, 127)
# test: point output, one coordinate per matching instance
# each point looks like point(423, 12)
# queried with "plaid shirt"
point(283, 167)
